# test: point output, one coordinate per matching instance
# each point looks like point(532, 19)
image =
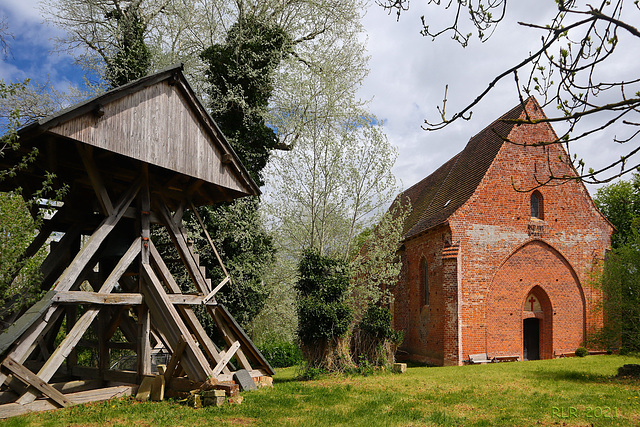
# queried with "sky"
point(407, 79)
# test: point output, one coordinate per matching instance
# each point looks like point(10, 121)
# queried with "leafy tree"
point(620, 203)
point(573, 71)
point(19, 276)
point(621, 302)
point(246, 249)
point(132, 57)
point(240, 75)
point(324, 316)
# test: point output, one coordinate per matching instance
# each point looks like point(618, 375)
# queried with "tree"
point(132, 57)
point(569, 72)
point(620, 279)
point(240, 74)
point(620, 284)
point(620, 203)
point(375, 269)
point(328, 188)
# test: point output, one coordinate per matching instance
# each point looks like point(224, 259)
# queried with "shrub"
point(323, 315)
point(281, 354)
point(582, 352)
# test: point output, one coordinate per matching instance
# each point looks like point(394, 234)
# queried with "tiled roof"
point(440, 194)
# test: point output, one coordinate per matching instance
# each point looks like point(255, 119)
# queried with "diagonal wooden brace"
point(34, 381)
point(212, 294)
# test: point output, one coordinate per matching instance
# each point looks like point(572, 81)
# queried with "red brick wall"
point(499, 244)
point(423, 325)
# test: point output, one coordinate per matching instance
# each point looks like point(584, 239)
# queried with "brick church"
point(492, 265)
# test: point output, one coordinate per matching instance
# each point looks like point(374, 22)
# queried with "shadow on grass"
point(574, 376)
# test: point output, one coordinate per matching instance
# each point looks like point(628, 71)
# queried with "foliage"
point(376, 266)
point(281, 354)
point(582, 352)
point(246, 249)
point(620, 203)
point(621, 302)
point(240, 74)
point(323, 315)
point(19, 276)
point(132, 57)
point(329, 187)
point(374, 340)
point(577, 70)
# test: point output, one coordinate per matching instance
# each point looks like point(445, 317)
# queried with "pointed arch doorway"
point(537, 325)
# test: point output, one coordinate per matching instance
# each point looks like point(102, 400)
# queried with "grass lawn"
point(564, 392)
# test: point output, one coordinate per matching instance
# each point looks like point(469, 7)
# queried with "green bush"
point(322, 311)
point(582, 352)
point(281, 354)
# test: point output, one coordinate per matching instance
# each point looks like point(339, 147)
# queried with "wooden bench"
point(597, 352)
point(498, 359)
point(476, 359)
point(559, 355)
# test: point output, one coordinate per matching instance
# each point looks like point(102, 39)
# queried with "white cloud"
point(409, 74)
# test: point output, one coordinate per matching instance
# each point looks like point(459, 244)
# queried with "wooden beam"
point(72, 338)
point(32, 315)
point(144, 343)
point(175, 359)
point(32, 379)
point(166, 317)
point(79, 263)
point(81, 297)
point(201, 335)
point(226, 357)
point(14, 409)
point(86, 153)
point(206, 233)
point(212, 294)
point(180, 240)
point(24, 345)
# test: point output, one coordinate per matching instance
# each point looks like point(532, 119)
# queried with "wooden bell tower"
point(138, 155)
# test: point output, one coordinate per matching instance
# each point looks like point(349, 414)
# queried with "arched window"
point(537, 205)
point(425, 281)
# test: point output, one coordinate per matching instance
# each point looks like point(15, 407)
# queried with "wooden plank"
point(81, 297)
point(229, 325)
point(144, 343)
point(215, 291)
point(226, 357)
point(86, 153)
point(79, 263)
point(14, 409)
point(190, 317)
point(32, 315)
point(206, 233)
point(72, 338)
point(166, 317)
point(24, 345)
point(230, 337)
point(175, 359)
point(35, 382)
point(180, 240)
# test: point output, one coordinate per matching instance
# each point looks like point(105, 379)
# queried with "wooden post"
point(144, 317)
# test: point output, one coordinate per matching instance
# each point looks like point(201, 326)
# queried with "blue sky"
point(31, 47)
point(405, 84)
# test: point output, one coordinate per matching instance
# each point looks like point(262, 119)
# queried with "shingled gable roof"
point(438, 196)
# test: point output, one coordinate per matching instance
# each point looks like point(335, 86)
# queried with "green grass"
point(506, 394)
